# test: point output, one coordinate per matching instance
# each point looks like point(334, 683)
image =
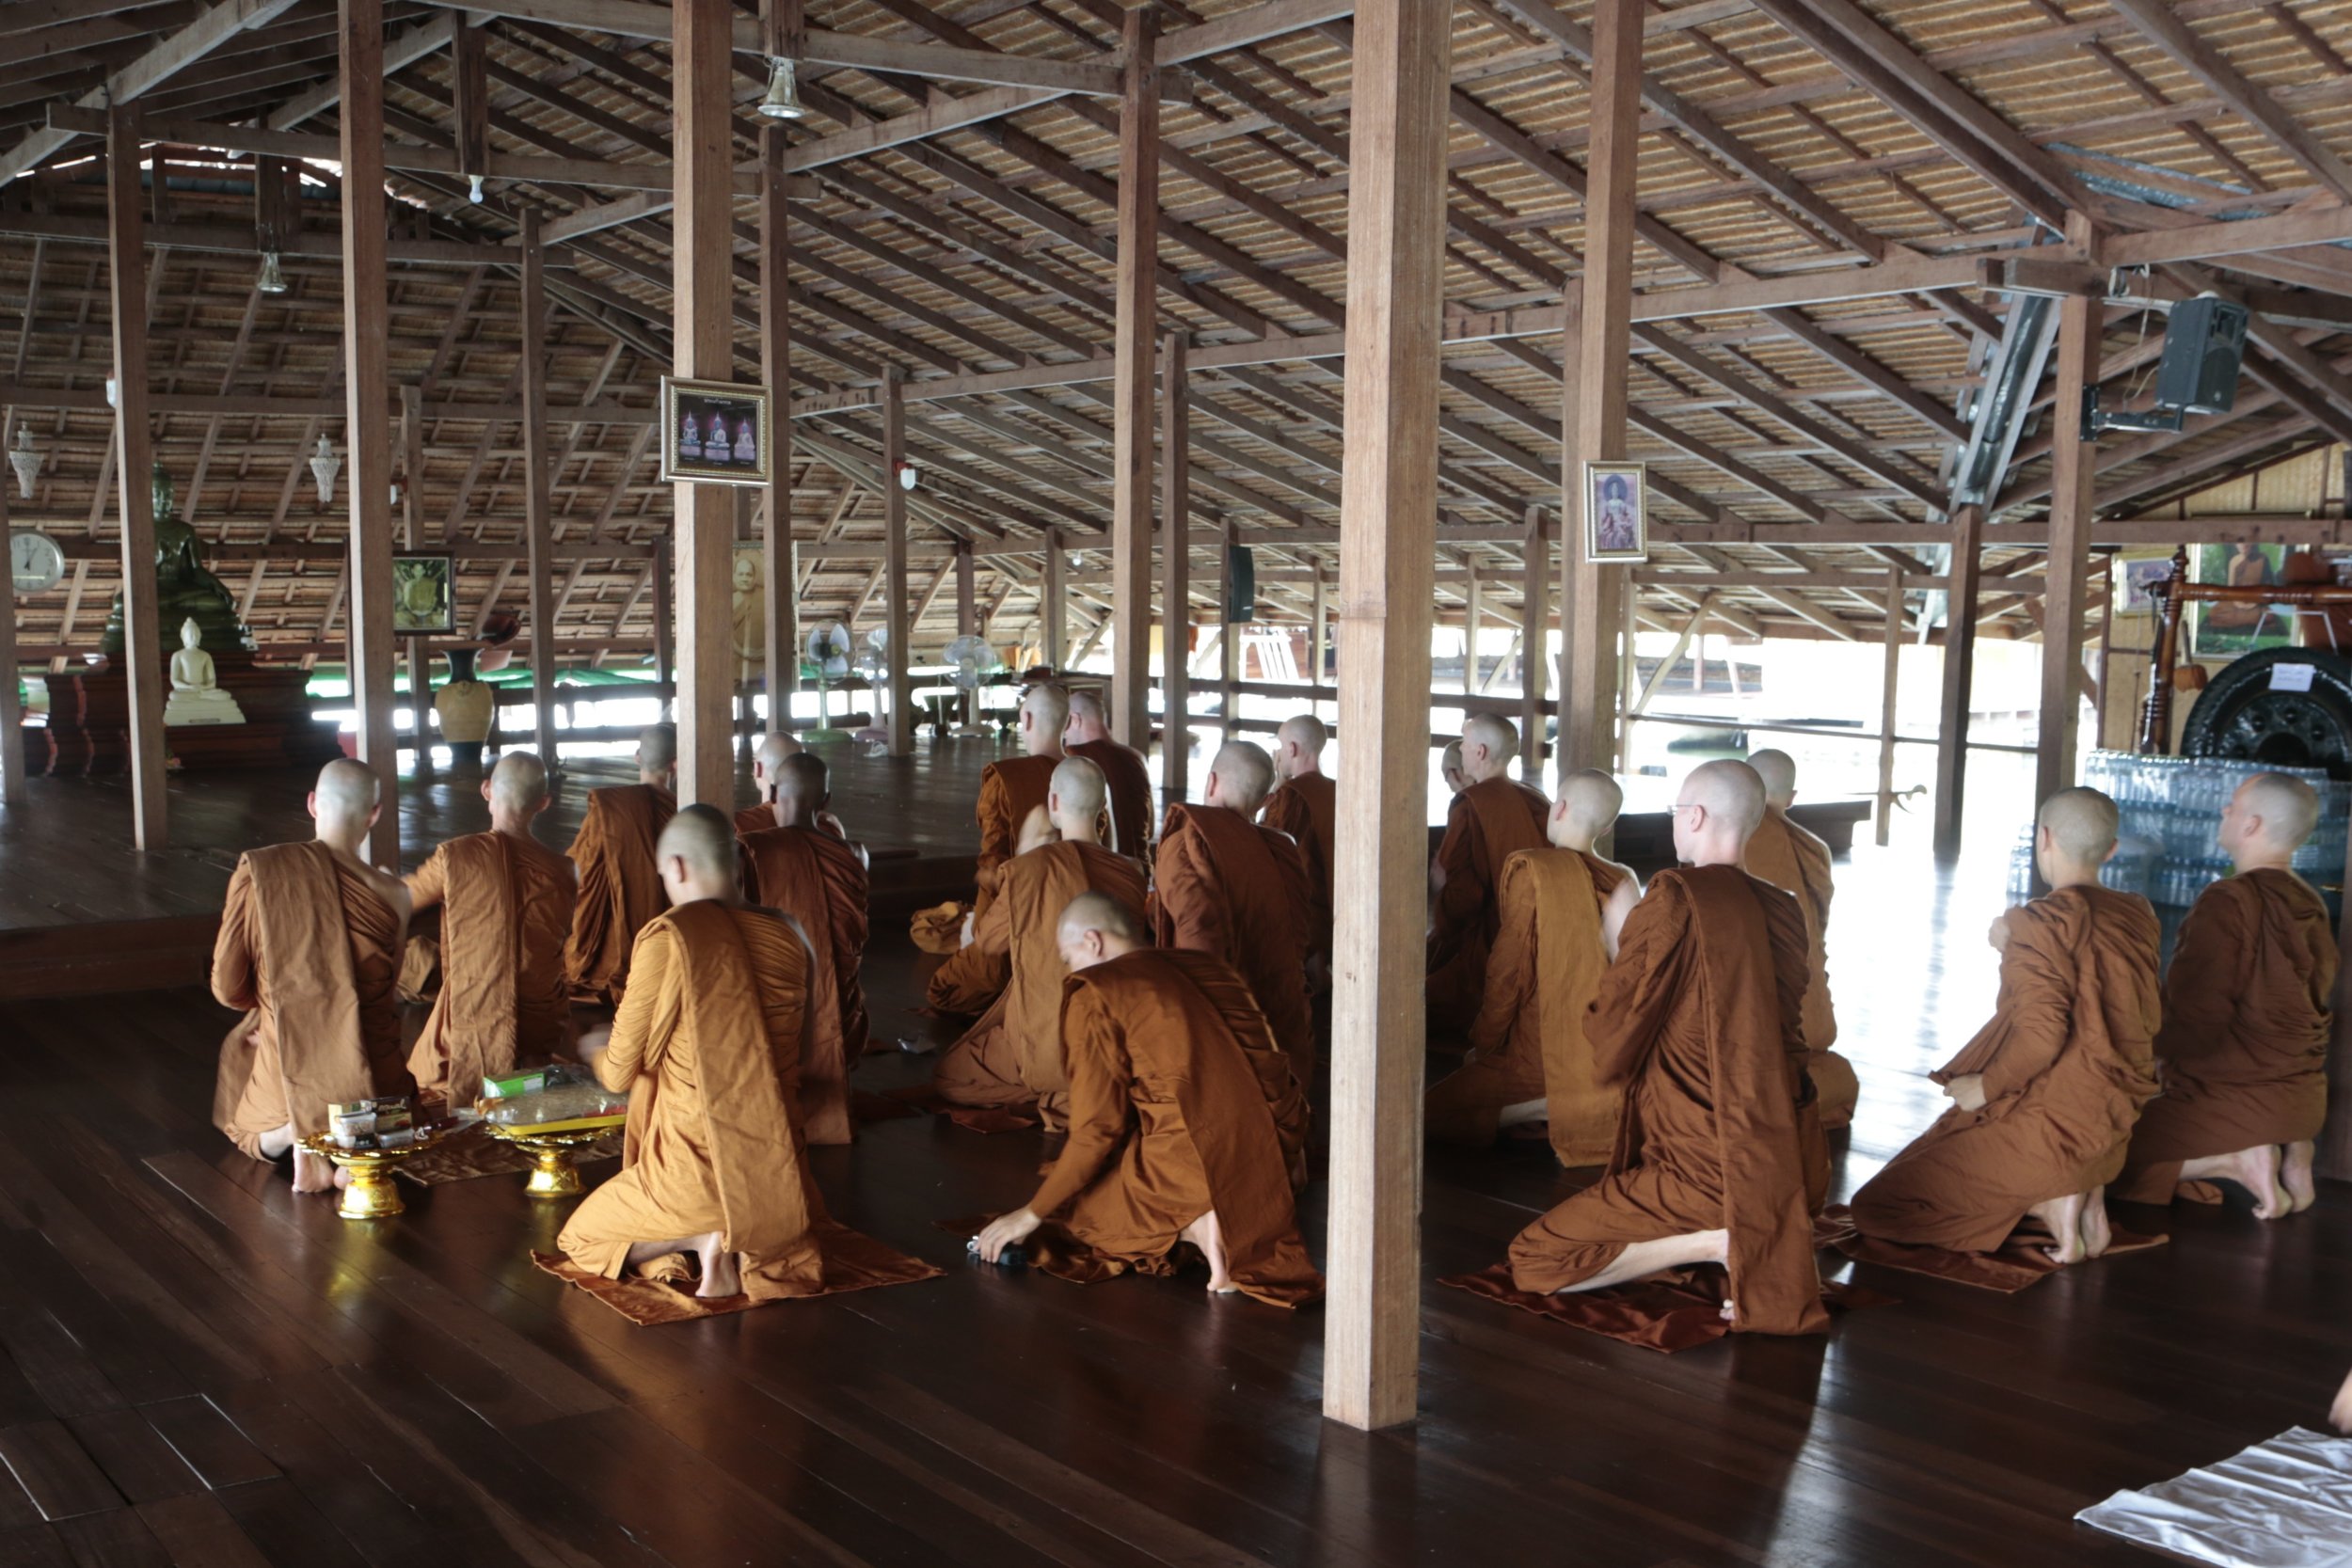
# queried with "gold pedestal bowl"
point(554, 1172)
point(370, 1194)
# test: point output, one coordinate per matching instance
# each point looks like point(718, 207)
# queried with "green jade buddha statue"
point(185, 591)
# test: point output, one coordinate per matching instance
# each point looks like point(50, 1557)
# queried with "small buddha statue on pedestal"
point(196, 695)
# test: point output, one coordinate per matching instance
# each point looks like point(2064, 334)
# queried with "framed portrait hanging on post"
point(714, 433)
point(1616, 519)
point(425, 596)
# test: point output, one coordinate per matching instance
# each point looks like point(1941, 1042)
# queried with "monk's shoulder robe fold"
point(1127, 779)
point(2067, 1060)
point(620, 888)
point(1011, 788)
point(1227, 887)
point(820, 881)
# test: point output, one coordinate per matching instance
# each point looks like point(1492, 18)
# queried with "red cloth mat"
point(852, 1263)
point(2019, 1263)
point(1670, 1311)
point(977, 1118)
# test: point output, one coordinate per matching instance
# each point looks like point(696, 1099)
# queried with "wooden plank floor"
point(196, 1367)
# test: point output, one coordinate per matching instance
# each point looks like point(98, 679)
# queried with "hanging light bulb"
point(325, 466)
point(473, 189)
point(25, 461)
point(784, 92)
point(908, 479)
point(273, 280)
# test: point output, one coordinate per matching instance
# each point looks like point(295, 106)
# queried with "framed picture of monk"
point(2227, 630)
point(425, 596)
point(1617, 523)
point(714, 433)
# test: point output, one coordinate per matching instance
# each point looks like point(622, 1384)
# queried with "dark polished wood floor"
point(199, 1368)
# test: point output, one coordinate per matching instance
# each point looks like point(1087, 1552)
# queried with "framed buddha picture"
point(1616, 527)
point(425, 596)
point(714, 433)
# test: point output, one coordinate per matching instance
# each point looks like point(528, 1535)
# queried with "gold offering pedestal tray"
point(554, 1169)
point(372, 1195)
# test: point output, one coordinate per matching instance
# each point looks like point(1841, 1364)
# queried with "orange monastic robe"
point(1528, 1039)
point(1237, 892)
point(707, 1043)
point(1697, 1020)
point(1488, 824)
point(1014, 1053)
point(1179, 1103)
point(309, 948)
point(2244, 1048)
point(1797, 861)
point(1308, 809)
point(1129, 779)
point(820, 881)
point(2068, 1060)
point(506, 908)
point(619, 887)
point(1010, 790)
point(753, 819)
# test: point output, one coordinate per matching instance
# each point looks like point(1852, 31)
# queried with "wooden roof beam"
point(2157, 20)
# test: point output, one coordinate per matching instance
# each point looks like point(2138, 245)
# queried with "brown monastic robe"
point(1013, 1055)
point(1488, 824)
point(753, 819)
point(1797, 861)
point(2243, 1052)
point(2068, 1060)
point(1528, 1039)
point(1129, 782)
point(1010, 790)
point(1179, 1103)
point(619, 887)
point(1227, 887)
point(707, 1043)
point(309, 948)
point(506, 908)
point(819, 882)
point(1308, 809)
point(1697, 1020)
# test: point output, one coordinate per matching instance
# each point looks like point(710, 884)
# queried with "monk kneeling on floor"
point(2243, 1053)
point(613, 852)
point(2045, 1095)
point(1185, 1122)
point(707, 1044)
point(1013, 1055)
point(1491, 819)
point(1697, 1020)
point(1562, 909)
point(1011, 790)
point(1798, 862)
point(309, 948)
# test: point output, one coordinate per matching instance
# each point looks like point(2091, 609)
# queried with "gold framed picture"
point(425, 596)
point(714, 433)
point(1616, 517)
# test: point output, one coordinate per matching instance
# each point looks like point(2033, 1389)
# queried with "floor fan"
point(972, 658)
point(829, 651)
point(874, 663)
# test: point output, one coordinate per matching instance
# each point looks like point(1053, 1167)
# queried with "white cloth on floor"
point(2286, 1503)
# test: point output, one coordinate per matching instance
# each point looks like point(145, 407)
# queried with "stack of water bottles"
point(2169, 849)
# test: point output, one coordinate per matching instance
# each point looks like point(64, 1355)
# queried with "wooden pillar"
point(1894, 652)
point(702, 286)
point(1628, 670)
point(1227, 639)
point(1131, 384)
point(1964, 573)
point(2067, 578)
point(538, 523)
point(664, 642)
point(967, 601)
point(11, 709)
point(1471, 608)
point(1319, 631)
point(898, 609)
point(776, 368)
point(418, 651)
point(1535, 642)
point(1388, 541)
point(144, 657)
point(1176, 570)
point(1053, 622)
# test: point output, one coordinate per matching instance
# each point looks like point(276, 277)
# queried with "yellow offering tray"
point(372, 1195)
point(551, 1147)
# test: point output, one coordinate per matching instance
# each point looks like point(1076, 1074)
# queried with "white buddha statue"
point(196, 695)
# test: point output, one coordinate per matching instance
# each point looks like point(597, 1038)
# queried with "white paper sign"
point(2290, 678)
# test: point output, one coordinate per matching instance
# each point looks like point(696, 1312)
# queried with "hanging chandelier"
point(25, 461)
point(325, 466)
point(273, 280)
point(784, 92)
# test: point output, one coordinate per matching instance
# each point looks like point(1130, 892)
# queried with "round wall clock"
point(36, 564)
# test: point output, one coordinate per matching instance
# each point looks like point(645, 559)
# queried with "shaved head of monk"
point(1450, 768)
point(1087, 721)
point(1489, 744)
point(2074, 835)
point(1719, 806)
point(1298, 746)
point(1044, 714)
point(1778, 770)
point(1241, 777)
point(1075, 798)
point(1585, 808)
point(1096, 927)
point(773, 748)
point(344, 802)
point(657, 755)
point(697, 856)
point(804, 787)
point(2267, 819)
point(516, 790)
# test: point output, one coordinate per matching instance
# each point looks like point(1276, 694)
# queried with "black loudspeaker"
point(2202, 347)
point(1241, 570)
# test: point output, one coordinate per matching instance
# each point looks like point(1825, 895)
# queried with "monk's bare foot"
point(2256, 1169)
point(2294, 1175)
point(1205, 1234)
point(313, 1173)
point(2340, 1415)
point(2064, 1216)
point(342, 1178)
point(723, 1275)
point(2097, 1233)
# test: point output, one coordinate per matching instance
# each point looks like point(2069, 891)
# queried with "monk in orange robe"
point(1305, 805)
point(767, 762)
point(707, 1044)
point(1013, 1055)
point(1185, 1122)
point(2243, 1053)
point(1797, 861)
point(1562, 909)
point(1697, 1020)
point(1010, 791)
point(1227, 887)
point(1125, 775)
point(506, 908)
point(309, 950)
point(797, 867)
point(2043, 1099)
point(1490, 820)
point(613, 852)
